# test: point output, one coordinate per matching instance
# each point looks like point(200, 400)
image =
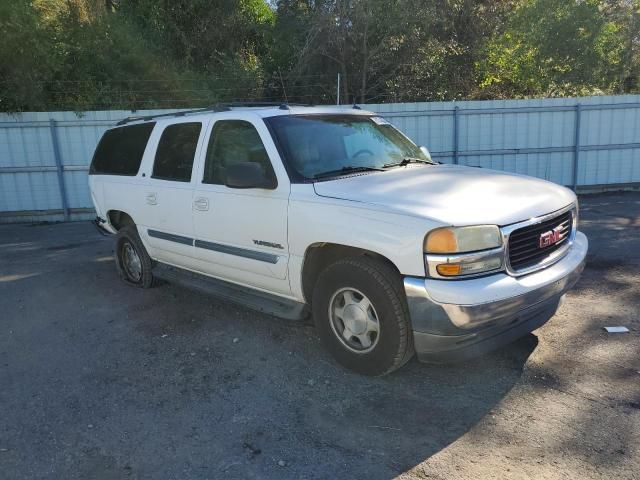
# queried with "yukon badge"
point(550, 237)
point(262, 243)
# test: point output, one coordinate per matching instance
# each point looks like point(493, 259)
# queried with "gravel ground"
point(103, 381)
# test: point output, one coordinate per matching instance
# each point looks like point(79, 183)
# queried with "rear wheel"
point(132, 260)
point(361, 314)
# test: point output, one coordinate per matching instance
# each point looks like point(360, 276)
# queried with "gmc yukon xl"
point(333, 212)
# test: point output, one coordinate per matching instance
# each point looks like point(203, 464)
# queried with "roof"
point(263, 111)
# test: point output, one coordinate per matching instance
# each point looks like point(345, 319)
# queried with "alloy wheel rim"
point(354, 320)
point(131, 262)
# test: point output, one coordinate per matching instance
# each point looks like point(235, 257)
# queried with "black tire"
point(382, 286)
point(128, 237)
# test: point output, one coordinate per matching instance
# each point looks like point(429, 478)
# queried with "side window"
point(120, 150)
point(233, 141)
point(176, 149)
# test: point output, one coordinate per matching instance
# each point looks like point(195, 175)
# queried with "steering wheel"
point(362, 152)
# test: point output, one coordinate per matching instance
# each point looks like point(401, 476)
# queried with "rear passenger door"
point(167, 192)
point(241, 234)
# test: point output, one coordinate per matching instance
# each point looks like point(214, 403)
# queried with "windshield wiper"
point(347, 169)
point(407, 160)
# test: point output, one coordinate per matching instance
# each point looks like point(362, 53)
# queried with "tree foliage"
point(561, 48)
point(86, 54)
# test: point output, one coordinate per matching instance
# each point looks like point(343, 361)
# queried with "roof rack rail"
point(218, 107)
point(281, 105)
point(137, 118)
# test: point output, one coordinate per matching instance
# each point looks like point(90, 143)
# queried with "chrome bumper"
point(455, 319)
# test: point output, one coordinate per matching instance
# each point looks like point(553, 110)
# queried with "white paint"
point(452, 195)
point(387, 212)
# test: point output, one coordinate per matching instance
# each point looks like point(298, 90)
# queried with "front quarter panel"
point(314, 219)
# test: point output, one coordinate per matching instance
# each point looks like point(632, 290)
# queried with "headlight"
point(463, 251)
point(462, 239)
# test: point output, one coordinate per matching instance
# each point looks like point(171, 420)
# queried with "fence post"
point(576, 151)
point(59, 169)
point(455, 134)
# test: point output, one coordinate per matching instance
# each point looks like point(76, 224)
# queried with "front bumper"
point(457, 319)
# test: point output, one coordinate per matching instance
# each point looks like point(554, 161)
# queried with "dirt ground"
point(99, 380)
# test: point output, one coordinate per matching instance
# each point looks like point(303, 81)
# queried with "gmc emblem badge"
point(550, 237)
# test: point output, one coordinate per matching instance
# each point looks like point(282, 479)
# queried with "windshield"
point(321, 145)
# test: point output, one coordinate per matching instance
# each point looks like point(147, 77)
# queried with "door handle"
point(201, 203)
point(152, 198)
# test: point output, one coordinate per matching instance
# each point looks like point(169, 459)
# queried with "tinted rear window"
point(120, 150)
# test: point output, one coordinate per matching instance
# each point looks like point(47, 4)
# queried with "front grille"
point(524, 244)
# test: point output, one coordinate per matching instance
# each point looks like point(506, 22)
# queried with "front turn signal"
point(449, 269)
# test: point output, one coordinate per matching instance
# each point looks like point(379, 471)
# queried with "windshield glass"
point(319, 145)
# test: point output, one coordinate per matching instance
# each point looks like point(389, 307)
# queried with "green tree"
point(554, 47)
point(71, 54)
point(223, 39)
point(25, 65)
point(89, 54)
point(398, 49)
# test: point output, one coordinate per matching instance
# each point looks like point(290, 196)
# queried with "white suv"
point(332, 211)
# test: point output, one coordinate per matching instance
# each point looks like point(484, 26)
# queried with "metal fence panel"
point(579, 142)
point(44, 160)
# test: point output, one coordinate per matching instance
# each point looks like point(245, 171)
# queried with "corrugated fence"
point(589, 143)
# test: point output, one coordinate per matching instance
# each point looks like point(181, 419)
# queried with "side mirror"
point(426, 152)
point(248, 175)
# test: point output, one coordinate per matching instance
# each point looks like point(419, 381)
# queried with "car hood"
point(452, 194)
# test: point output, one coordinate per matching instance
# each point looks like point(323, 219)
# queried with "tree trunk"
point(627, 61)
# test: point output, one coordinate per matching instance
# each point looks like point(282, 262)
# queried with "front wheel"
point(361, 313)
